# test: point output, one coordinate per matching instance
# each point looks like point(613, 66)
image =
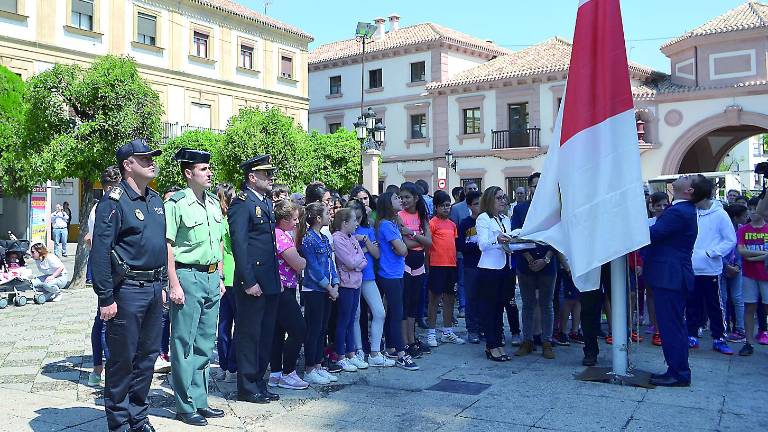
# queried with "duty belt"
point(143, 275)
point(205, 268)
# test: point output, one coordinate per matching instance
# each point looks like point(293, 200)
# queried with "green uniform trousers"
point(193, 334)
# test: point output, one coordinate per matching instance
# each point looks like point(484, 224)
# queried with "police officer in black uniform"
point(257, 283)
point(128, 257)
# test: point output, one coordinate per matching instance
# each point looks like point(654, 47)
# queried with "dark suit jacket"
point(252, 230)
point(667, 262)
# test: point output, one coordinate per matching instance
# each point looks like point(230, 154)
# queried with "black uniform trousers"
point(133, 339)
point(591, 307)
point(255, 319)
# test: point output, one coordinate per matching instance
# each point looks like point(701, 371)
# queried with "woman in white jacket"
point(494, 274)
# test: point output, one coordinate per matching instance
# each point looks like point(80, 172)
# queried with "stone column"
point(371, 159)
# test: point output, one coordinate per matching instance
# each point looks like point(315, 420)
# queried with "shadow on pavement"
point(53, 419)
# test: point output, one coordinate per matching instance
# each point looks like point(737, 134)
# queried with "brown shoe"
point(525, 348)
point(546, 351)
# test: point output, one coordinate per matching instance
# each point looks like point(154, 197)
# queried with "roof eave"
point(290, 31)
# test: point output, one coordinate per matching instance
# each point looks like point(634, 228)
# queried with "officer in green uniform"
point(194, 233)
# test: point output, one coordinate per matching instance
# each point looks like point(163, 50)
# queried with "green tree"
point(336, 159)
point(253, 131)
point(11, 111)
point(170, 174)
point(75, 120)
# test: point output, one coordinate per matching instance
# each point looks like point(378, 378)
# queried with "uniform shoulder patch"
point(242, 195)
point(116, 193)
point(178, 196)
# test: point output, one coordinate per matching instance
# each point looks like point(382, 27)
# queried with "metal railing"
point(173, 130)
point(521, 138)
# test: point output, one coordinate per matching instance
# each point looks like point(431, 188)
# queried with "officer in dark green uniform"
point(127, 259)
point(194, 233)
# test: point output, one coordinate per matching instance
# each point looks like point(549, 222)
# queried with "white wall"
point(455, 121)
point(144, 56)
point(459, 63)
point(21, 30)
point(99, 46)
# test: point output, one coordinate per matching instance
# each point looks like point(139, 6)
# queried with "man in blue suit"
point(669, 271)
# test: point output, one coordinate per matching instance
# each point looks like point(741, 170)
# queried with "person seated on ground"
point(54, 275)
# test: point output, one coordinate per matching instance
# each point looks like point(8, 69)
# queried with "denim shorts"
point(752, 289)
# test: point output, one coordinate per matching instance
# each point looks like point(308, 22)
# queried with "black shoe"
point(424, 349)
point(192, 419)
point(147, 427)
point(253, 398)
point(422, 324)
point(561, 339)
point(670, 382)
point(334, 367)
point(746, 350)
point(492, 357)
point(271, 396)
point(589, 360)
point(210, 412)
point(660, 376)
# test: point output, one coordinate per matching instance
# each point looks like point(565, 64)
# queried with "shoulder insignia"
point(115, 193)
point(178, 196)
point(241, 195)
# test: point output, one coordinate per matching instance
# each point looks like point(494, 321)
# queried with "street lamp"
point(369, 133)
point(449, 159)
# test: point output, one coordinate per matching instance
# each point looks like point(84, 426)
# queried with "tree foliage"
point(169, 172)
point(336, 159)
point(11, 111)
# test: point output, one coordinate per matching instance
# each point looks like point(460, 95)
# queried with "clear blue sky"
point(510, 23)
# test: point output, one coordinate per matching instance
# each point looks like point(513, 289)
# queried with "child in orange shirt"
point(442, 270)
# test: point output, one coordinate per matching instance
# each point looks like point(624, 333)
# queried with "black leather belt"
point(205, 268)
point(143, 275)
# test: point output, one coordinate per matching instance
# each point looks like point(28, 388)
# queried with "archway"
point(704, 145)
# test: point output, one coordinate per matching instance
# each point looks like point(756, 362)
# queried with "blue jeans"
point(731, 289)
point(225, 342)
point(460, 289)
point(60, 241)
point(348, 301)
point(472, 310)
point(98, 341)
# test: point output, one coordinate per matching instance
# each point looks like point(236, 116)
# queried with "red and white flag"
point(589, 203)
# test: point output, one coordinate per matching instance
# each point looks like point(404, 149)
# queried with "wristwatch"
point(547, 259)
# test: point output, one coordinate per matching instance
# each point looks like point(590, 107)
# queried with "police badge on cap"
point(191, 156)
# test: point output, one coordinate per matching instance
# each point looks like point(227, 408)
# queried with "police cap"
point(136, 147)
point(191, 156)
point(257, 163)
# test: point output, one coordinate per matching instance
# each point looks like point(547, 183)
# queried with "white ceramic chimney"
point(380, 30)
point(394, 22)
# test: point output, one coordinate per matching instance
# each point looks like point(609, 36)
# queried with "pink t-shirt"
point(755, 239)
point(288, 276)
point(412, 221)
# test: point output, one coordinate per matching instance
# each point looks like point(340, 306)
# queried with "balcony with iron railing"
point(173, 130)
point(514, 139)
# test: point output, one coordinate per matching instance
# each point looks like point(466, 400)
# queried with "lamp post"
point(370, 134)
point(449, 160)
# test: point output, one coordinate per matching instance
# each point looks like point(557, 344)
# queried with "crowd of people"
point(256, 273)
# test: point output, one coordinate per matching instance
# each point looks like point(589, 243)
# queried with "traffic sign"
point(441, 184)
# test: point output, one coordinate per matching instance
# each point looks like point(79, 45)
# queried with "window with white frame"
point(246, 56)
point(82, 14)
point(200, 44)
point(146, 29)
point(286, 66)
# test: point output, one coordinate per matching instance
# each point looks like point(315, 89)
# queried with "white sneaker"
point(162, 365)
point(347, 365)
point(450, 337)
point(380, 361)
point(432, 339)
point(360, 364)
point(230, 377)
point(327, 375)
point(274, 379)
point(360, 354)
point(292, 381)
point(315, 377)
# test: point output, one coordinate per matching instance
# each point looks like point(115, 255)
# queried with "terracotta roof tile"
point(250, 14)
point(664, 86)
point(747, 16)
point(405, 36)
point(552, 55)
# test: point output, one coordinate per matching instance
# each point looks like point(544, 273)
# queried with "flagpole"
point(619, 315)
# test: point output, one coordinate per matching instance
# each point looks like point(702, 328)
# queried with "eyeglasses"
point(501, 197)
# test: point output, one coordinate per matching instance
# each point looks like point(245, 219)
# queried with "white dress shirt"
point(492, 256)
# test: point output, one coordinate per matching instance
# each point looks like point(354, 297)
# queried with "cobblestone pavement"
point(45, 358)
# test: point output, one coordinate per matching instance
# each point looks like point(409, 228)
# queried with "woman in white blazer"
point(493, 230)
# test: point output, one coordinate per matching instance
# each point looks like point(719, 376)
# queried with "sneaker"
point(327, 375)
point(162, 365)
point(292, 381)
point(360, 364)
point(347, 365)
point(736, 336)
point(274, 379)
point(405, 362)
point(693, 342)
point(315, 377)
point(656, 340)
point(746, 350)
point(389, 355)
point(561, 339)
point(333, 368)
point(516, 340)
point(450, 337)
point(609, 339)
point(473, 338)
point(650, 330)
point(380, 361)
point(461, 313)
point(762, 338)
point(230, 377)
point(360, 354)
point(94, 380)
point(721, 346)
point(423, 349)
point(432, 339)
point(576, 337)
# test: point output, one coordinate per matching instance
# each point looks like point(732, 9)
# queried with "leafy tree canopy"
point(336, 159)
point(170, 174)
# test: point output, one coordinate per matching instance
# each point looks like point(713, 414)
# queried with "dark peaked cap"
point(257, 163)
point(191, 156)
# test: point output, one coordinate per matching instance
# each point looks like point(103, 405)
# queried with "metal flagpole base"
point(635, 378)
